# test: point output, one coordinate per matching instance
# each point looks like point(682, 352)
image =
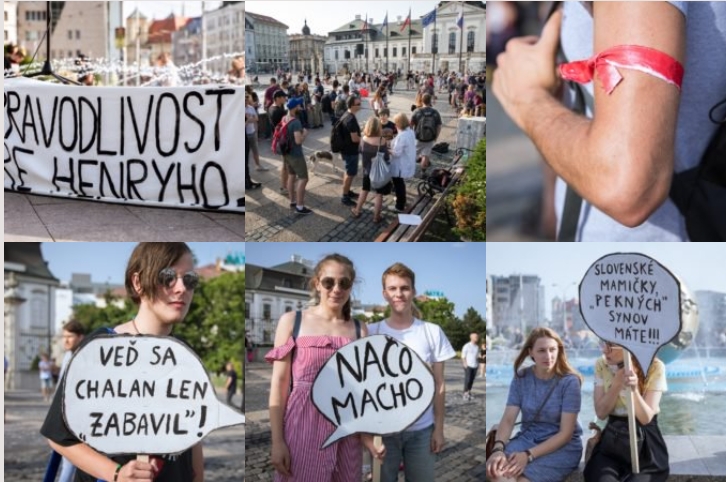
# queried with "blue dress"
point(527, 393)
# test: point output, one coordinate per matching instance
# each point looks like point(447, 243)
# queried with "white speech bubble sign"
point(141, 395)
point(632, 300)
point(376, 385)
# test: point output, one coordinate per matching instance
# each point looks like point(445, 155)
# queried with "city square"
point(405, 57)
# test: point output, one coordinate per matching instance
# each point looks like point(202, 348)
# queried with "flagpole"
point(433, 50)
point(387, 42)
point(461, 40)
point(409, 39)
point(365, 37)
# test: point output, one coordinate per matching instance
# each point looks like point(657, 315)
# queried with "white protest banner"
point(375, 385)
point(633, 301)
point(151, 146)
point(141, 395)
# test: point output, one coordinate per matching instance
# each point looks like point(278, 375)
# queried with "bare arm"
point(100, 466)
point(437, 438)
point(280, 381)
point(198, 462)
point(630, 142)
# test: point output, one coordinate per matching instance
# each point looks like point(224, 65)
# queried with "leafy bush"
point(469, 201)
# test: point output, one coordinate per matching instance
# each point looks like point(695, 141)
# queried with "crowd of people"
point(295, 105)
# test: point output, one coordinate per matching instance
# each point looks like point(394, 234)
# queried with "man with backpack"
point(276, 114)
point(287, 141)
point(620, 157)
point(349, 131)
point(426, 124)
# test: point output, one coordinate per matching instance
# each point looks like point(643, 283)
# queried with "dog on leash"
point(318, 156)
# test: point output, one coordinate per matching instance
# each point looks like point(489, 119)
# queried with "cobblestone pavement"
point(268, 215)
point(462, 459)
point(27, 452)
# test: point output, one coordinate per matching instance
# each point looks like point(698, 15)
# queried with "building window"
point(470, 41)
point(336, 55)
point(434, 44)
point(394, 51)
point(70, 35)
point(78, 35)
point(413, 50)
point(452, 42)
point(385, 52)
point(266, 311)
point(377, 53)
point(6, 35)
point(288, 309)
point(403, 51)
point(6, 19)
point(247, 310)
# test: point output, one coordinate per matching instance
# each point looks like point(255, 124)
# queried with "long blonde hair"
point(562, 366)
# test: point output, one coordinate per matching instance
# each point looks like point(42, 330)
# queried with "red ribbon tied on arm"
point(606, 64)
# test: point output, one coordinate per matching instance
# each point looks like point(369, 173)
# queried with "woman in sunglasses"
point(303, 343)
point(548, 446)
point(610, 460)
point(160, 280)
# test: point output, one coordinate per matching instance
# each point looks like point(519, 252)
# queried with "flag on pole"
point(407, 22)
point(429, 18)
point(385, 22)
point(460, 20)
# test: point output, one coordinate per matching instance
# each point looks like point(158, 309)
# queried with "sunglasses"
point(343, 283)
point(168, 277)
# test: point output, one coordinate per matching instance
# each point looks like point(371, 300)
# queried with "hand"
point(280, 459)
point(495, 464)
point(526, 71)
point(630, 379)
point(368, 442)
point(437, 440)
point(516, 464)
point(137, 471)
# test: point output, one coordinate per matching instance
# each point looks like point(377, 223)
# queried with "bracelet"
point(495, 450)
point(115, 474)
point(500, 442)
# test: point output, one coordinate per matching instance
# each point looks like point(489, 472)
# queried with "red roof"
point(160, 30)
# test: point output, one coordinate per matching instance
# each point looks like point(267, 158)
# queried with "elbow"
point(630, 195)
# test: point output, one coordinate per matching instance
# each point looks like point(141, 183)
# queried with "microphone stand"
point(47, 69)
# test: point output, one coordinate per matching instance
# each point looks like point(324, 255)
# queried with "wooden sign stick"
point(378, 443)
point(632, 430)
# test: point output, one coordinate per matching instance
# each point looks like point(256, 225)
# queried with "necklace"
point(133, 322)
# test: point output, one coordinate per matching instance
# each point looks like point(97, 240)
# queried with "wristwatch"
point(530, 457)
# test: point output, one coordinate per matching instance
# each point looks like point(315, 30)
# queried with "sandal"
point(377, 219)
point(354, 214)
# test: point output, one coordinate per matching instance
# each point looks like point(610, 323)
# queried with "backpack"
point(338, 136)
point(426, 126)
point(700, 192)
point(281, 144)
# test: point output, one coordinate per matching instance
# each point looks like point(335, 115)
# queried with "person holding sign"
point(304, 341)
point(548, 447)
point(418, 445)
point(161, 281)
point(611, 461)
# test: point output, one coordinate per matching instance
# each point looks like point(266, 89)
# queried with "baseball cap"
point(294, 102)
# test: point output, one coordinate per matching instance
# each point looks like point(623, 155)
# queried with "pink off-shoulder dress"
point(305, 428)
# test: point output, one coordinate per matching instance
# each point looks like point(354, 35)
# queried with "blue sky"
point(106, 262)
point(294, 13)
point(162, 9)
point(701, 266)
point(457, 269)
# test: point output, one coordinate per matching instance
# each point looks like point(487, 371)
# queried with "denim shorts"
point(351, 164)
